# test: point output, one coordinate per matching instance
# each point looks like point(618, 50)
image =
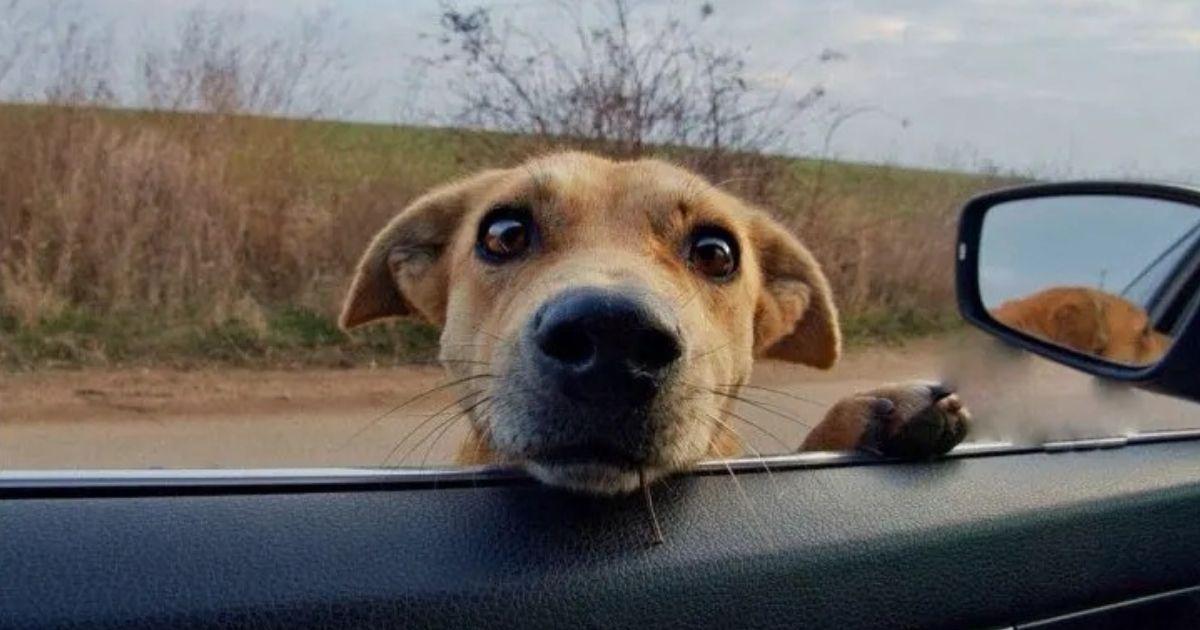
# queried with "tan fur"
point(1088, 320)
point(601, 223)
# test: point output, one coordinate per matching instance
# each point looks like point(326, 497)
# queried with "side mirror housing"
point(1100, 276)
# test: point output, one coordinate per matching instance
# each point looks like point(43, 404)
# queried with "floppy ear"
point(1080, 325)
point(795, 319)
point(404, 268)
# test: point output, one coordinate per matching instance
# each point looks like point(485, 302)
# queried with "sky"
point(1051, 88)
point(1106, 243)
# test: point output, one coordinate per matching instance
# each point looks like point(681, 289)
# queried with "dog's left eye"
point(504, 233)
point(714, 253)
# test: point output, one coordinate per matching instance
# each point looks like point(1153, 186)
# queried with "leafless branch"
point(621, 83)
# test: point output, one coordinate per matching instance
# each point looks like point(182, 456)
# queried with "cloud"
point(893, 29)
point(878, 28)
point(1087, 87)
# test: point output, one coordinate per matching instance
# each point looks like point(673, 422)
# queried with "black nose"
point(604, 344)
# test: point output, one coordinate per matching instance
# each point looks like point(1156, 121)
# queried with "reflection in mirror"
point(1099, 274)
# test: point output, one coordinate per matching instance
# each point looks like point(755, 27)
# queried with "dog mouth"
point(593, 468)
point(593, 453)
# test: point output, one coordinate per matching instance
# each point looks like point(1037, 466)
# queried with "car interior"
point(1084, 533)
point(192, 436)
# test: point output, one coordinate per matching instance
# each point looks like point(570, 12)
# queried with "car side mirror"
point(1100, 276)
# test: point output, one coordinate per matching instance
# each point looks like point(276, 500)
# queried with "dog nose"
point(608, 344)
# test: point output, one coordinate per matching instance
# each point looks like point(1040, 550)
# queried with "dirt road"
point(143, 418)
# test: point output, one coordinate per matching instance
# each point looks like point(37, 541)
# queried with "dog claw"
point(950, 404)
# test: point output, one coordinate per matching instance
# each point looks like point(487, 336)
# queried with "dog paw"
point(914, 421)
point(910, 420)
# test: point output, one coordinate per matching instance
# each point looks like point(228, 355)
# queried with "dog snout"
point(603, 344)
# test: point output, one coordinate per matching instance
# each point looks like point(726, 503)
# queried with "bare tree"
point(618, 82)
point(213, 66)
point(840, 116)
point(12, 43)
point(49, 53)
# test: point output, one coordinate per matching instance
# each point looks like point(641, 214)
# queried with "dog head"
point(1087, 320)
point(612, 306)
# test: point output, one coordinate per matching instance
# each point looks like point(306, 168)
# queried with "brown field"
point(134, 238)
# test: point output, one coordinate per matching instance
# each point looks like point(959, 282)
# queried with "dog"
point(603, 315)
point(1087, 320)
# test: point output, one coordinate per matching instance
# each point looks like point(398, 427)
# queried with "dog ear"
point(1080, 325)
point(404, 269)
point(795, 318)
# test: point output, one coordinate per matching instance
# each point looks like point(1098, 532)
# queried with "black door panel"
point(977, 542)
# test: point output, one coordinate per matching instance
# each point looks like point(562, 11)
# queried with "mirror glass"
point(1105, 275)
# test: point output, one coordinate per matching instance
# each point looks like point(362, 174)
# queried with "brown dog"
point(603, 315)
point(1087, 320)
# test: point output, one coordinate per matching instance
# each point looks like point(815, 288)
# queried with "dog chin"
point(592, 477)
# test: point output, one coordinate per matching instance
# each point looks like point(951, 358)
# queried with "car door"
point(992, 536)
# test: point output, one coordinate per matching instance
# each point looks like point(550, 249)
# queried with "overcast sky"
point(1059, 88)
point(1034, 244)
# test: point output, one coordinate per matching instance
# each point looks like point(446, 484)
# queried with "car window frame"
point(49, 483)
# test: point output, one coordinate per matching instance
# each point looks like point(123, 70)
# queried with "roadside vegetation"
point(222, 224)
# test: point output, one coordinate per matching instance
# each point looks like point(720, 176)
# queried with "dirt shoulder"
point(161, 417)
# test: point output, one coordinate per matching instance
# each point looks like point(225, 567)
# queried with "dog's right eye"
point(505, 233)
point(714, 253)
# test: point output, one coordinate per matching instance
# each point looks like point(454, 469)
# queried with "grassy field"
point(151, 238)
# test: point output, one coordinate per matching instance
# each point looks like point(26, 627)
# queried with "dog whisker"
point(757, 454)
point(440, 362)
point(761, 429)
point(703, 186)
point(430, 418)
point(540, 180)
point(493, 335)
point(745, 497)
point(454, 415)
point(811, 401)
point(753, 403)
point(420, 396)
point(725, 426)
point(484, 437)
point(446, 428)
point(700, 186)
point(442, 426)
point(733, 477)
point(458, 362)
point(758, 405)
point(712, 350)
point(464, 344)
point(649, 499)
point(479, 328)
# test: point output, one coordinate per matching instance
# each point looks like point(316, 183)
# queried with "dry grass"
point(130, 236)
point(229, 235)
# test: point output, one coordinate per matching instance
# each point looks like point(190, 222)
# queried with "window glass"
point(186, 189)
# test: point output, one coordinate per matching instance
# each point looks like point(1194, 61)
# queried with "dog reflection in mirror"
point(603, 315)
point(1089, 320)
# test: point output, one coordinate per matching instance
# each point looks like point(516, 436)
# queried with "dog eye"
point(713, 253)
point(504, 233)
